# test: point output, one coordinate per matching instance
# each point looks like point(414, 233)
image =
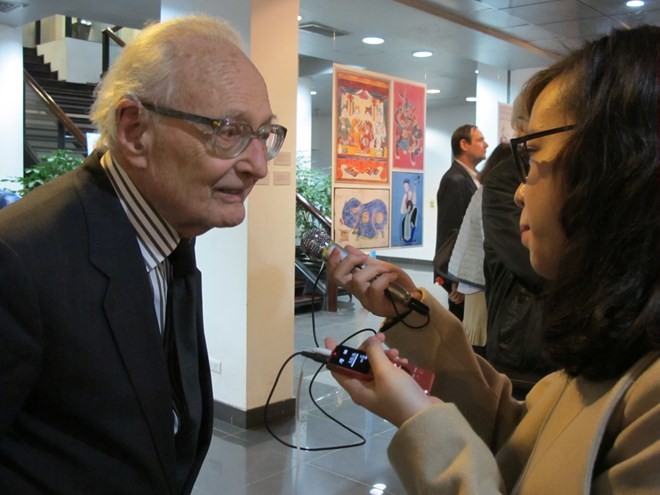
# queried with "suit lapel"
point(129, 308)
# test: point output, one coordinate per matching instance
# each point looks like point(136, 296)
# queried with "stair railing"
point(108, 35)
point(64, 122)
point(331, 287)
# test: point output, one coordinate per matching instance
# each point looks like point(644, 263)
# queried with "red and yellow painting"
point(361, 129)
point(408, 124)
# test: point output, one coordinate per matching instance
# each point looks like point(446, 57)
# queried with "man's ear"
point(464, 145)
point(131, 131)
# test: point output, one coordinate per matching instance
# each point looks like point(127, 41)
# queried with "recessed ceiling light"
point(373, 40)
point(476, 71)
point(299, 18)
point(422, 54)
point(471, 99)
point(432, 91)
point(635, 3)
point(313, 92)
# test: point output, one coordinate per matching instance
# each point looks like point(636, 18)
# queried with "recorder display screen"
point(349, 358)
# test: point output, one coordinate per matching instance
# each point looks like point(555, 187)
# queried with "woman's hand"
point(367, 278)
point(392, 394)
point(455, 296)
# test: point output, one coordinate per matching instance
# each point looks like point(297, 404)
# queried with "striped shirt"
point(156, 238)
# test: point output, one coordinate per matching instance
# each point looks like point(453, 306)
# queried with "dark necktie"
point(182, 356)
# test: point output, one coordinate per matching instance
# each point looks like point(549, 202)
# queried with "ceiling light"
point(432, 91)
point(299, 18)
point(422, 54)
point(373, 40)
point(471, 99)
point(476, 71)
point(635, 3)
point(313, 92)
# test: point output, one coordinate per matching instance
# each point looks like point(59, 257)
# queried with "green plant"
point(315, 187)
point(51, 165)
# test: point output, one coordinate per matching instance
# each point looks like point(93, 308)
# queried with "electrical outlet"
point(216, 366)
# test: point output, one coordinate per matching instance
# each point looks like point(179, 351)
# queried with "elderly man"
point(104, 377)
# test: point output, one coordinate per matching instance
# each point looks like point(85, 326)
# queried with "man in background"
point(456, 188)
point(103, 390)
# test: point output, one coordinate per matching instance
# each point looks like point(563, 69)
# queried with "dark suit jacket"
point(453, 197)
point(85, 403)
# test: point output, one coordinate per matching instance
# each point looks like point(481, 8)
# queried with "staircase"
point(43, 131)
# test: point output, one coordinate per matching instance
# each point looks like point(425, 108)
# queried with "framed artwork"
point(408, 124)
point(378, 159)
point(407, 201)
point(504, 130)
point(361, 128)
point(361, 217)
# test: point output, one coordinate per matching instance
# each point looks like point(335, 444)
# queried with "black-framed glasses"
point(521, 153)
point(230, 137)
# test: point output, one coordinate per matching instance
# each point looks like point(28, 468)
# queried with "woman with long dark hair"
point(590, 199)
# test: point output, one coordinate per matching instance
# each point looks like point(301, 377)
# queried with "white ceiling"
point(510, 34)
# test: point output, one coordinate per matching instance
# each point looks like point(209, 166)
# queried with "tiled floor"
point(252, 462)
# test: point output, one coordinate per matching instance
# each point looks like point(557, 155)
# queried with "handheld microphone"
point(317, 244)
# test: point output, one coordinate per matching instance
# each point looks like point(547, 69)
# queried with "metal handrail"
point(56, 110)
point(314, 211)
point(109, 34)
point(331, 287)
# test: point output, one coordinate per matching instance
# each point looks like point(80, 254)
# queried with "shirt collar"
point(472, 172)
point(156, 237)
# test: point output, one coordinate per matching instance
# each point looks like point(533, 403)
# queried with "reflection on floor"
point(252, 462)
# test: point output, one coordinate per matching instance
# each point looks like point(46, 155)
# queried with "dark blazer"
point(453, 197)
point(85, 403)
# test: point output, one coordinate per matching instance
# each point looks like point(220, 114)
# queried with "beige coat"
point(570, 436)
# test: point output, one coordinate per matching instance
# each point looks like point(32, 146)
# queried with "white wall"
point(75, 60)
point(322, 143)
point(492, 89)
point(11, 117)
point(304, 118)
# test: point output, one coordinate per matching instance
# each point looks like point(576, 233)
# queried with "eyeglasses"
point(521, 155)
point(230, 137)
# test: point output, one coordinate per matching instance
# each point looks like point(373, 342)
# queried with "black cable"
point(316, 283)
point(400, 318)
point(317, 358)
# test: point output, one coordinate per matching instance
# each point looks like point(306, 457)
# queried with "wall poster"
point(378, 159)
point(504, 115)
point(409, 118)
point(407, 202)
point(361, 217)
point(362, 122)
